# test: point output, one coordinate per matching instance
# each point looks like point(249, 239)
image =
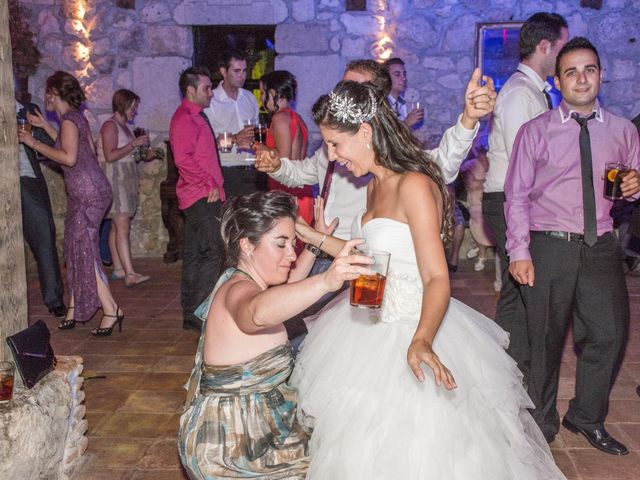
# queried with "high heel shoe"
point(67, 323)
point(107, 331)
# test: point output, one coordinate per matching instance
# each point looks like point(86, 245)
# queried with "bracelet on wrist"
point(322, 241)
point(315, 251)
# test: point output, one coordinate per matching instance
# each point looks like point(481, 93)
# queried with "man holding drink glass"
point(561, 246)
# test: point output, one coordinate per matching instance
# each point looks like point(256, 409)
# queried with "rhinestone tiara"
point(346, 110)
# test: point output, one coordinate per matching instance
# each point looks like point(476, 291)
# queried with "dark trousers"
point(203, 255)
point(510, 312)
point(40, 234)
point(586, 284)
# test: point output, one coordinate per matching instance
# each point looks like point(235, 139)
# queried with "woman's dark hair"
point(576, 43)
point(122, 100)
point(67, 88)
point(252, 216)
point(394, 145)
point(282, 82)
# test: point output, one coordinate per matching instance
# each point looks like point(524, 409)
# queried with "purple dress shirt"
point(543, 187)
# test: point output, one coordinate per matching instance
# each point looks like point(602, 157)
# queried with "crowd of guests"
point(370, 391)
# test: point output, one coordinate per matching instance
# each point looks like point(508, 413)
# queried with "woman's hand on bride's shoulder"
point(347, 265)
point(421, 351)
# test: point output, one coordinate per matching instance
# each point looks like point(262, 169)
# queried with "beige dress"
point(122, 175)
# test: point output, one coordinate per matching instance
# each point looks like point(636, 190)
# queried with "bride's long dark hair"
point(394, 145)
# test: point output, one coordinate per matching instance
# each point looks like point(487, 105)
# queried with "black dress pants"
point(510, 312)
point(40, 234)
point(203, 255)
point(586, 284)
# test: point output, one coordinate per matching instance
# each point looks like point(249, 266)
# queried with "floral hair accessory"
point(346, 110)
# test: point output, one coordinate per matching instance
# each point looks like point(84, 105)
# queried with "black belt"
point(567, 236)
point(494, 196)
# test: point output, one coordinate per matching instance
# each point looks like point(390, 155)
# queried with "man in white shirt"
point(347, 196)
point(398, 74)
point(523, 97)
point(231, 104)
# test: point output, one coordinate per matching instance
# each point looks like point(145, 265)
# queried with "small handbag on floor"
point(32, 353)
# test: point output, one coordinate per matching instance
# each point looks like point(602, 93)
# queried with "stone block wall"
point(144, 49)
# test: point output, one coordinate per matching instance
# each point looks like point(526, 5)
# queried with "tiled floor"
point(133, 382)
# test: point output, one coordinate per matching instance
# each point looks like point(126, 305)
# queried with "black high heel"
point(67, 323)
point(107, 331)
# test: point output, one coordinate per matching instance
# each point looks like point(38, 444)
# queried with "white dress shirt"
point(348, 194)
point(521, 99)
point(398, 105)
point(228, 115)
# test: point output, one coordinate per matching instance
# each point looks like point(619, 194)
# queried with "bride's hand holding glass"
point(421, 351)
point(347, 266)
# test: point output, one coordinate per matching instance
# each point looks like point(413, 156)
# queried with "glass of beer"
point(613, 174)
point(225, 142)
point(23, 125)
point(367, 291)
point(6, 381)
point(142, 151)
point(260, 133)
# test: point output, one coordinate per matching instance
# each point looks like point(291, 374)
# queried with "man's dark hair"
point(228, 55)
point(539, 26)
point(189, 78)
point(577, 43)
point(393, 61)
point(381, 79)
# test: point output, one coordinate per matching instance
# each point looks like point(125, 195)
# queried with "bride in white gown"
point(375, 413)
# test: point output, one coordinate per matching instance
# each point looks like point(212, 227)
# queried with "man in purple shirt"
point(561, 246)
point(200, 191)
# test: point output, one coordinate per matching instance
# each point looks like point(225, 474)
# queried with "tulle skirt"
point(373, 419)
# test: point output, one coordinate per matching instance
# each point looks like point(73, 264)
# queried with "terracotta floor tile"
point(126, 424)
point(116, 452)
point(156, 335)
point(164, 381)
point(107, 401)
point(187, 347)
point(174, 363)
point(101, 473)
point(159, 475)
point(138, 363)
point(624, 410)
point(632, 431)
point(151, 401)
point(140, 348)
point(565, 464)
point(593, 464)
point(171, 428)
point(163, 454)
point(114, 381)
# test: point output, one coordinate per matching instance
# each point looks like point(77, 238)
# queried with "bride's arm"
point(418, 199)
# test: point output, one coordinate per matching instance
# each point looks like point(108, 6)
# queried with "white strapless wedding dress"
point(373, 420)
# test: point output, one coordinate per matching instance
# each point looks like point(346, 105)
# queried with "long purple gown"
point(88, 199)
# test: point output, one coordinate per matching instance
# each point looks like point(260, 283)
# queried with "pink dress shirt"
point(543, 187)
point(195, 154)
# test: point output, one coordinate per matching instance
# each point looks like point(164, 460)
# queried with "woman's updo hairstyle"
point(283, 83)
point(252, 216)
point(67, 88)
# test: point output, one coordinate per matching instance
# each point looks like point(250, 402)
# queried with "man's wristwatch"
point(313, 249)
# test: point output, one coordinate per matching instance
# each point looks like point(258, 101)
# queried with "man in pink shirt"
point(200, 191)
point(561, 246)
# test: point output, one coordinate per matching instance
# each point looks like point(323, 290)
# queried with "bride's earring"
point(369, 145)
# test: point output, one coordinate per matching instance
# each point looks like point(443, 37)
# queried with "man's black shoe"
point(58, 311)
point(598, 437)
point(194, 325)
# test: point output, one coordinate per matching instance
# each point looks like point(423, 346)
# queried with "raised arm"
point(458, 139)
point(419, 199)
point(297, 173)
point(255, 309)
point(67, 154)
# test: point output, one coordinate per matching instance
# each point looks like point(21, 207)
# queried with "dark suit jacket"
point(39, 135)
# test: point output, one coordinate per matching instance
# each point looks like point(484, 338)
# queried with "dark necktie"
point(588, 196)
point(213, 134)
point(549, 101)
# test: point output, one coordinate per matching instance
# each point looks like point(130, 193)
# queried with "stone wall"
point(144, 50)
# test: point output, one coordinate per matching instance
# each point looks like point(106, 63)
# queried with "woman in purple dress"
point(88, 199)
